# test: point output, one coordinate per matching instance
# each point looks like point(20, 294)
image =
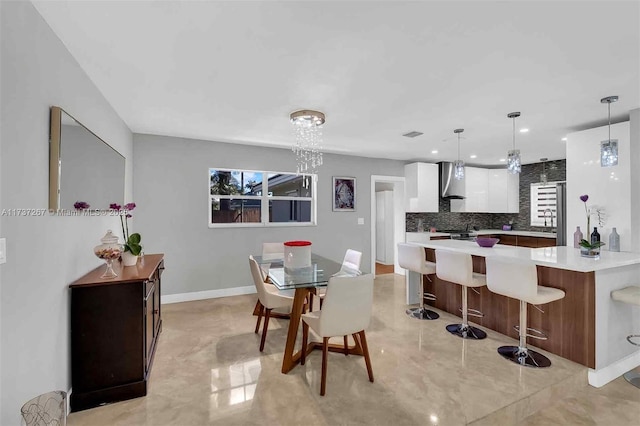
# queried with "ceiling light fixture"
point(513, 156)
point(459, 164)
point(502, 160)
point(435, 151)
point(609, 148)
point(308, 127)
point(543, 176)
point(473, 156)
point(563, 139)
point(524, 130)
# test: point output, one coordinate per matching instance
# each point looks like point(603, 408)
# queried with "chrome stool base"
point(468, 332)
point(633, 378)
point(422, 314)
point(526, 357)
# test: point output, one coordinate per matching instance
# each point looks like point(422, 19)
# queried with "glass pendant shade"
point(543, 176)
point(458, 169)
point(513, 162)
point(609, 153)
point(514, 165)
point(458, 165)
point(609, 148)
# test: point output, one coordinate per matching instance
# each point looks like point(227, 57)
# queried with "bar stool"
point(518, 279)
point(412, 258)
point(457, 268)
point(629, 295)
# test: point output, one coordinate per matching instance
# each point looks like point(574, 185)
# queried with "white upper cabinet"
point(489, 191)
point(475, 192)
point(421, 187)
point(504, 191)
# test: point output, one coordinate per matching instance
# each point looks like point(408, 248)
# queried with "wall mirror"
point(82, 167)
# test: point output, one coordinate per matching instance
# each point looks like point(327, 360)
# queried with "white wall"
point(171, 187)
point(44, 254)
point(634, 120)
point(607, 187)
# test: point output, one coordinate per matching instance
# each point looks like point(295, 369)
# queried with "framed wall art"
point(344, 194)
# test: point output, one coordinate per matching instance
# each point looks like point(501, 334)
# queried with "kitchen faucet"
point(545, 216)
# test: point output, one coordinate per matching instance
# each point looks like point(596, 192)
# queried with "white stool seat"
point(412, 258)
point(629, 295)
point(518, 279)
point(477, 280)
point(457, 268)
point(546, 295)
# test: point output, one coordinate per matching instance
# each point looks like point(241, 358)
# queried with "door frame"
point(399, 218)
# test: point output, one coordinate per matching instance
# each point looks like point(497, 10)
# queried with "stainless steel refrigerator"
point(561, 214)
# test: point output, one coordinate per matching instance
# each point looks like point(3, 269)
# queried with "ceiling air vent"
point(413, 134)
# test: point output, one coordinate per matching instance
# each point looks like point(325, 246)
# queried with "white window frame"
point(265, 198)
point(534, 219)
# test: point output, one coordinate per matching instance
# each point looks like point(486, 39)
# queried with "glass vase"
point(108, 251)
point(593, 253)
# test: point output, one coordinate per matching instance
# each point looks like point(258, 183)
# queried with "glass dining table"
point(304, 281)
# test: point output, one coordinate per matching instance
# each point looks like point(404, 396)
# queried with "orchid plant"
point(132, 242)
point(600, 215)
point(81, 205)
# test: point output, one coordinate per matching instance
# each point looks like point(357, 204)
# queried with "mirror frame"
point(55, 162)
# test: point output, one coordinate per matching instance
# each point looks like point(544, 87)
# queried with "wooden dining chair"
point(346, 311)
point(268, 299)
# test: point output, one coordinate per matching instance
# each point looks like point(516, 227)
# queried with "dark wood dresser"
point(115, 324)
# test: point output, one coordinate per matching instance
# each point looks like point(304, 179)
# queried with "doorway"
point(387, 223)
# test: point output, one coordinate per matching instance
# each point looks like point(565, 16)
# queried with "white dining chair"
point(346, 311)
point(268, 298)
point(350, 267)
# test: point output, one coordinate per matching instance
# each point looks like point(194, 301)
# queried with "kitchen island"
point(586, 326)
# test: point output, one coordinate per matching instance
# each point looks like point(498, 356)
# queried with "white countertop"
point(494, 232)
point(555, 257)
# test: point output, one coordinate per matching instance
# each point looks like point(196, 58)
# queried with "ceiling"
point(233, 71)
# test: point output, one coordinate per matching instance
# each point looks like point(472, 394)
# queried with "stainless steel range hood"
point(450, 187)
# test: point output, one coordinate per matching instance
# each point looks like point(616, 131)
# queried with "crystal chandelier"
point(543, 176)
point(308, 145)
point(609, 148)
point(458, 164)
point(513, 159)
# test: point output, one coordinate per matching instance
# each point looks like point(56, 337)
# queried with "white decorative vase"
point(297, 254)
point(129, 259)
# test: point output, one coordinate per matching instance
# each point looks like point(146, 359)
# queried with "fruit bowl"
point(486, 241)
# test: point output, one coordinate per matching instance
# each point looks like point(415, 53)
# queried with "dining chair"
point(269, 299)
point(350, 267)
point(346, 311)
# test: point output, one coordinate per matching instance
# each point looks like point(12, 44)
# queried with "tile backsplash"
point(445, 219)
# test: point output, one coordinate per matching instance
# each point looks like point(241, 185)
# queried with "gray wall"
point(445, 219)
point(634, 119)
point(44, 254)
point(171, 185)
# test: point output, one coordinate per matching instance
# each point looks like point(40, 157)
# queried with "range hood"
point(450, 187)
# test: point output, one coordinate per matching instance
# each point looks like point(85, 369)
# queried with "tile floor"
point(208, 370)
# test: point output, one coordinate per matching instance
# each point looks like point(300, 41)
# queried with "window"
point(543, 204)
point(257, 198)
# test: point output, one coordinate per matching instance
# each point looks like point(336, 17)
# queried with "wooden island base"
point(569, 323)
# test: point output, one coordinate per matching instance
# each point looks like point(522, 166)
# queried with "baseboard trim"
point(208, 294)
point(599, 378)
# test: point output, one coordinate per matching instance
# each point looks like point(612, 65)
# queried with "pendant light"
point(609, 148)
point(513, 156)
point(458, 164)
point(543, 176)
